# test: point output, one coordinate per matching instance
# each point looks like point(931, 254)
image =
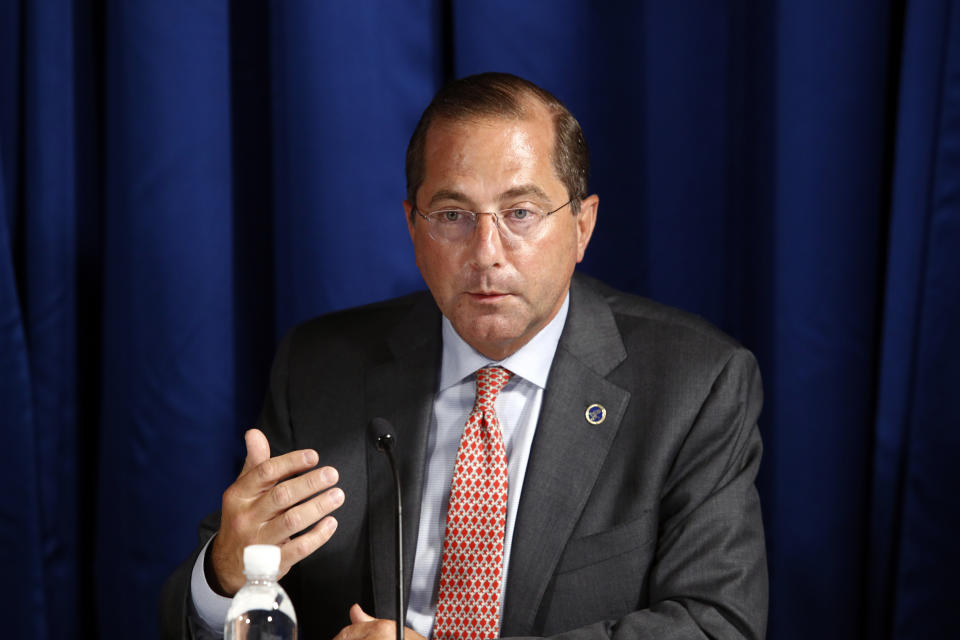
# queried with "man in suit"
point(627, 429)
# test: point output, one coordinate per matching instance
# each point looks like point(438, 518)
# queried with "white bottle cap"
point(261, 560)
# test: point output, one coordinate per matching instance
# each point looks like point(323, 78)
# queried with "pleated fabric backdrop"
point(181, 182)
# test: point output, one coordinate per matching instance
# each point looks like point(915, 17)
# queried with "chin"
point(493, 341)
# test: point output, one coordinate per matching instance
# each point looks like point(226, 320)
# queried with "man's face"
point(498, 296)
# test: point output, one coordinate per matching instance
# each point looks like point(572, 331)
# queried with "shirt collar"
point(531, 362)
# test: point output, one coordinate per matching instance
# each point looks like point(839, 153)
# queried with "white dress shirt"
point(518, 409)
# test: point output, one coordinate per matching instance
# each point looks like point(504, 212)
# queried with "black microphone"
point(385, 439)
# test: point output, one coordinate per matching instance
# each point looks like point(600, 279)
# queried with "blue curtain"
point(181, 182)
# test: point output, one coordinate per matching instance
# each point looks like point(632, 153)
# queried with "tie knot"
point(490, 381)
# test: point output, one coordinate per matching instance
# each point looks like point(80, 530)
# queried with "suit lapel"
point(567, 451)
point(401, 390)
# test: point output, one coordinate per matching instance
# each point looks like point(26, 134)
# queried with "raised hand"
point(267, 504)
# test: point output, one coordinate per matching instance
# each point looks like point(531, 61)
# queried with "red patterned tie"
point(468, 601)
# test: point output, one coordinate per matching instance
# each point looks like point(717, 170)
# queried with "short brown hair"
point(501, 95)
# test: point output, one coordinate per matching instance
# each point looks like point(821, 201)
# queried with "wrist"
point(210, 573)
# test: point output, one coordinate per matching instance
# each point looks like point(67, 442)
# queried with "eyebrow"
point(521, 191)
point(449, 194)
point(525, 190)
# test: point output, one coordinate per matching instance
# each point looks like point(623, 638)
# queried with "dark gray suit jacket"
point(644, 526)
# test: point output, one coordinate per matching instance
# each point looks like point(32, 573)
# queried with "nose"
point(486, 244)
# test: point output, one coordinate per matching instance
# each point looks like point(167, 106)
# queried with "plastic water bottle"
point(261, 609)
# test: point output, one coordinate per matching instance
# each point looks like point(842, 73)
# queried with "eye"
point(521, 216)
point(449, 215)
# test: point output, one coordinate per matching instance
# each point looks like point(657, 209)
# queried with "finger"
point(299, 517)
point(289, 493)
point(296, 549)
point(268, 472)
point(258, 449)
point(357, 614)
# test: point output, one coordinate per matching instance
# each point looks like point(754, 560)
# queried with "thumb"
point(359, 615)
point(258, 449)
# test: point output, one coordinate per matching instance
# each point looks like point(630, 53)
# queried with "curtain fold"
point(50, 273)
point(915, 514)
point(20, 509)
point(180, 183)
point(832, 116)
point(168, 353)
point(38, 311)
point(344, 107)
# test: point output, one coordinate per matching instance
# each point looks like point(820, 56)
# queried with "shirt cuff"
point(210, 606)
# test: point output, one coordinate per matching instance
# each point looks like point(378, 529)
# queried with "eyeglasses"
point(516, 225)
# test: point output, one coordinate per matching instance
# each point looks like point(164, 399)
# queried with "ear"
point(408, 209)
point(586, 220)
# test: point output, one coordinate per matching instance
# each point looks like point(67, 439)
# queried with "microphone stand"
point(385, 442)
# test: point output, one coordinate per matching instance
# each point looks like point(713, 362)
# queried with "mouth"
point(487, 296)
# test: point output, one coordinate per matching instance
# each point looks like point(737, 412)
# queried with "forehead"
point(490, 153)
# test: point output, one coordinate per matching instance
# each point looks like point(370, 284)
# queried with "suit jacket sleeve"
point(701, 573)
point(709, 576)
